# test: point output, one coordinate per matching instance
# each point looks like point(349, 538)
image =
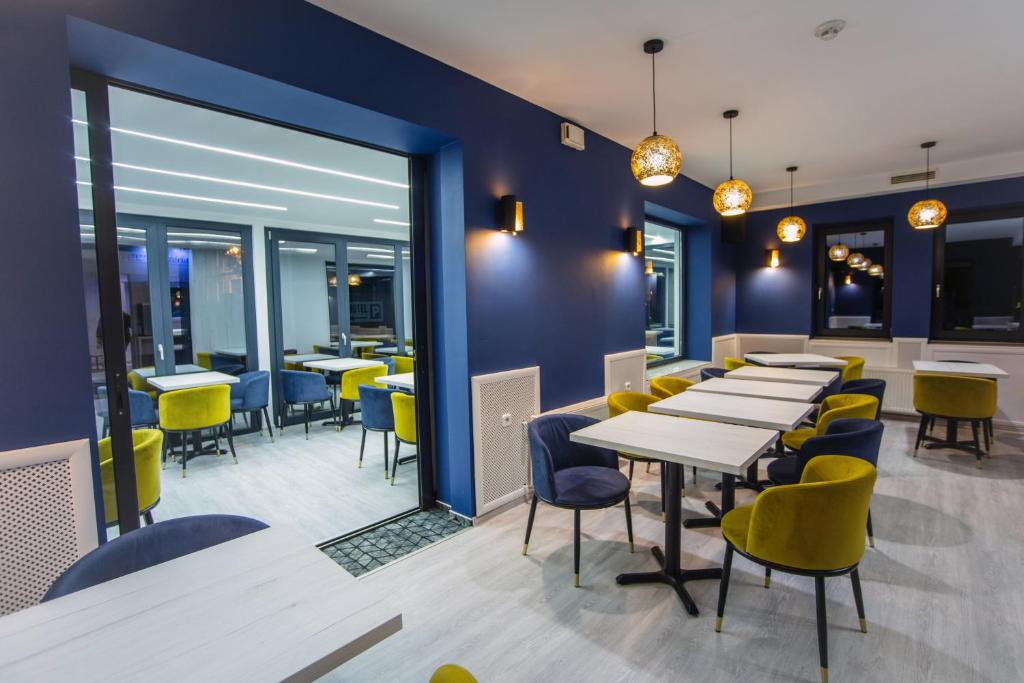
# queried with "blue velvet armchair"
point(252, 394)
point(305, 389)
point(573, 476)
point(141, 407)
point(711, 373)
point(377, 416)
point(869, 386)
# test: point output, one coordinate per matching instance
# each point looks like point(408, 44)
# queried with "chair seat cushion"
point(736, 525)
point(236, 403)
point(785, 470)
point(795, 439)
point(590, 486)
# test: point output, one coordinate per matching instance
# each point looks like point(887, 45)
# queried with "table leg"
point(671, 571)
point(728, 502)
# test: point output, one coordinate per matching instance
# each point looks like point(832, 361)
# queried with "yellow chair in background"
point(733, 363)
point(452, 673)
point(955, 397)
point(148, 444)
point(139, 383)
point(192, 410)
point(404, 406)
point(653, 358)
point(204, 359)
point(404, 364)
point(854, 368)
point(832, 408)
point(350, 381)
point(663, 387)
point(814, 528)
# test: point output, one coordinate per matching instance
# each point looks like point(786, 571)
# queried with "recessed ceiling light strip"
point(197, 198)
point(381, 220)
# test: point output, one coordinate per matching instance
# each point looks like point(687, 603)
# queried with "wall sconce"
point(634, 241)
point(771, 258)
point(848, 280)
point(649, 268)
point(510, 214)
point(354, 280)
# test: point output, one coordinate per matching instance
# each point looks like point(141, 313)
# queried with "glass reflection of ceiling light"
point(864, 264)
point(299, 250)
point(205, 235)
point(855, 259)
point(875, 270)
point(197, 198)
point(90, 226)
point(235, 251)
point(660, 258)
point(649, 267)
point(838, 252)
point(381, 220)
point(848, 280)
point(377, 249)
point(354, 280)
point(383, 256)
point(250, 155)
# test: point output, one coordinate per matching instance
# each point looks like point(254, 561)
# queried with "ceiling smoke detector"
point(830, 29)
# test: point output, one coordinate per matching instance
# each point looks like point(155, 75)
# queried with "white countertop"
point(708, 445)
point(795, 360)
point(339, 364)
point(737, 410)
point(303, 357)
point(782, 391)
point(792, 375)
point(392, 350)
point(403, 380)
point(267, 606)
point(150, 371)
point(192, 380)
point(938, 367)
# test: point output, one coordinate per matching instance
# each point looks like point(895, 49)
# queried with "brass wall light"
point(771, 258)
point(510, 214)
point(634, 241)
point(354, 280)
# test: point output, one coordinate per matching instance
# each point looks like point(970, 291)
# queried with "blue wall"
point(561, 296)
point(779, 301)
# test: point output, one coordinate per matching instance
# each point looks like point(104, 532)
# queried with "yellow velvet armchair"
point(733, 363)
point(814, 528)
point(139, 383)
point(350, 381)
point(854, 368)
point(404, 364)
point(192, 410)
point(148, 444)
point(663, 387)
point(452, 673)
point(955, 397)
point(404, 406)
point(832, 408)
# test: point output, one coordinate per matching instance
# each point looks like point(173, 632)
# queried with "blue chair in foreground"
point(711, 373)
point(306, 389)
point(252, 394)
point(573, 476)
point(377, 416)
point(149, 546)
point(141, 407)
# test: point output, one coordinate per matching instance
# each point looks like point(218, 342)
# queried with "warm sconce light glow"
point(649, 268)
point(771, 258)
point(634, 241)
point(848, 280)
point(354, 280)
point(510, 214)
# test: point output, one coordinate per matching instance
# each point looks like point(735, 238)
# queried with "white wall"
point(304, 309)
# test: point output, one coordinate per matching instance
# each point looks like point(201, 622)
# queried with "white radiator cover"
point(47, 518)
point(625, 371)
point(502, 402)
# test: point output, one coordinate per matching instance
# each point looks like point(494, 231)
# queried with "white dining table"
point(403, 380)
point(937, 367)
point(191, 380)
point(362, 344)
point(268, 606)
point(792, 375)
point(393, 350)
point(150, 371)
point(795, 360)
point(335, 364)
point(726, 448)
point(738, 410)
point(302, 358)
point(781, 391)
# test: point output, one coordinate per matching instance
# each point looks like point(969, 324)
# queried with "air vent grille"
point(912, 177)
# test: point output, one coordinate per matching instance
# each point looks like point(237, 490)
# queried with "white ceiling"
point(850, 112)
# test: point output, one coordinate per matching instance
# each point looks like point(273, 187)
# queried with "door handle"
point(344, 338)
point(160, 350)
point(938, 291)
point(819, 293)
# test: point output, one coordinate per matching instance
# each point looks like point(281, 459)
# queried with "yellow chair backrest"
point(624, 401)
point(404, 406)
point(452, 673)
point(854, 368)
point(845, 405)
point(663, 387)
point(404, 364)
point(351, 380)
point(138, 382)
point(192, 409)
point(733, 363)
point(147, 443)
point(819, 523)
point(955, 396)
point(204, 359)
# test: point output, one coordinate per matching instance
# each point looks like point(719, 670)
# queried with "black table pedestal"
point(728, 502)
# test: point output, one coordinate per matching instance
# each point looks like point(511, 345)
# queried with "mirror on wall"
point(852, 291)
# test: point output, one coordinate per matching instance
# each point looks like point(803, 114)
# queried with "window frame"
point(680, 298)
point(820, 253)
point(937, 292)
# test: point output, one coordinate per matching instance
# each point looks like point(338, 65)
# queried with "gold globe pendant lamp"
point(875, 270)
point(838, 251)
point(856, 259)
point(927, 213)
point(657, 159)
point(732, 197)
point(791, 228)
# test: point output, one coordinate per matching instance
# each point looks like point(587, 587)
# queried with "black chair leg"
point(307, 409)
point(362, 446)
point(858, 598)
point(723, 587)
point(576, 548)
point(694, 476)
point(984, 431)
point(767, 577)
point(977, 443)
point(231, 442)
point(397, 444)
point(921, 429)
point(394, 462)
point(147, 516)
point(629, 523)
point(529, 522)
point(819, 599)
point(270, 427)
point(386, 452)
point(631, 470)
point(184, 455)
point(334, 414)
point(163, 452)
point(871, 531)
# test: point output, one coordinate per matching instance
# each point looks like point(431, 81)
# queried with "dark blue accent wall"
point(561, 296)
point(779, 301)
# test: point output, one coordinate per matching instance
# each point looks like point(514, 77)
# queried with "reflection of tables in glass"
point(405, 381)
point(191, 380)
point(792, 375)
point(335, 364)
point(303, 358)
point(150, 372)
point(661, 350)
point(726, 448)
point(238, 352)
point(781, 391)
point(795, 360)
point(363, 344)
point(393, 350)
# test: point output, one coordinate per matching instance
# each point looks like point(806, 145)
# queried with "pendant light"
point(927, 213)
point(657, 159)
point(875, 270)
point(838, 251)
point(855, 259)
point(733, 197)
point(865, 264)
point(791, 228)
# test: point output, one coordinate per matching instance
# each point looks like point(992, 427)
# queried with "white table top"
point(795, 360)
point(392, 350)
point(192, 380)
point(737, 410)
point(782, 391)
point(150, 371)
point(707, 445)
point(267, 606)
point(661, 350)
point(361, 344)
point(967, 369)
point(403, 380)
point(303, 357)
point(233, 351)
point(818, 378)
point(340, 364)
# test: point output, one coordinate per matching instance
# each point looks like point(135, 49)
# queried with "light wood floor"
point(942, 590)
point(312, 485)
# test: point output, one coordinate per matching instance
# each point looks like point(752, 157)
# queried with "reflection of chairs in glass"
point(192, 410)
point(139, 383)
point(350, 382)
point(325, 350)
point(377, 416)
point(306, 389)
point(404, 406)
point(204, 359)
point(404, 364)
point(140, 405)
point(148, 444)
point(252, 393)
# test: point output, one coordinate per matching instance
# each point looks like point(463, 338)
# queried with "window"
point(853, 276)
point(664, 275)
point(978, 272)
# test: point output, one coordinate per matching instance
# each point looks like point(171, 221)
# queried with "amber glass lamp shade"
point(855, 259)
point(656, 160)
point(732, 198)
point(927, 214)
point(838, 252)
point(865, 264)
point(875, 270)
point(791, 229)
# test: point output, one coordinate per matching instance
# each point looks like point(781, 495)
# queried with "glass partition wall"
point(664, 278)
point(171, 198)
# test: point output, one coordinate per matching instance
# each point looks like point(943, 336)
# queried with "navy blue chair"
point(306, 389)
point(151, 545)
point(229, 365)
point(252, 394)
point(573, 476)
point(831, 389)
point(377, 416)
point(711, 373)
point(869, 386)
point(854, 437)
point(141, 407)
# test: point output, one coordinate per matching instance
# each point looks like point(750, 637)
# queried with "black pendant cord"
point(791, 192)
point(927, 166)
point(654, 99)
point(730, 149)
